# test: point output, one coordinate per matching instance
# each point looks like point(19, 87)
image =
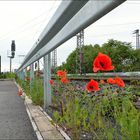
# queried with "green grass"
point(112, 115)
point(35, 93)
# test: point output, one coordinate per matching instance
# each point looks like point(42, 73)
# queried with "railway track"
point(127, 76)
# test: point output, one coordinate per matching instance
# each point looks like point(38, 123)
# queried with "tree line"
point(123, 56)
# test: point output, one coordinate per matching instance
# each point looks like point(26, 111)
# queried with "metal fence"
point(70, 18)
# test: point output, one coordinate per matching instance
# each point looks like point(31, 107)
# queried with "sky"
point(23, 21)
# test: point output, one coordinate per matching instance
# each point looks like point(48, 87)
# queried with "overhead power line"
point(107, 34)
point(119, 24)
point(133, 3)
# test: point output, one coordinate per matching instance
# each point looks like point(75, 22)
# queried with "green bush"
point(7, 75)
point(124, 57)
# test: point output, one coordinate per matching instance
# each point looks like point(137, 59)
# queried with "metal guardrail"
point(70, 18)
point(52, 36)
point(64, 13)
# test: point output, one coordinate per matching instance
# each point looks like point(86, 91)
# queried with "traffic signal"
point(13, 46)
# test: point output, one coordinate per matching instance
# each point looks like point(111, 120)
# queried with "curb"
point(32, 119)
point(66, 137)
point(10, 79)
point(38, 134)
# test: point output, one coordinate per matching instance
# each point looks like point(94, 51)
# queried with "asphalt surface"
point(14, 121)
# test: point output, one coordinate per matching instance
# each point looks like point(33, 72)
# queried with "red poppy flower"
point(92, 86)
point(102, 82)
point(27, 78)
point(61, 73)
point(51, 82)
point(19, 92)
point(111, 81)
point(64, 80)
point(119, 82)
point(102, 62)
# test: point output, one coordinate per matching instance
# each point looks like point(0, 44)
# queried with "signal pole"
point(10, 64)
point(0, 64)
point(137, 38)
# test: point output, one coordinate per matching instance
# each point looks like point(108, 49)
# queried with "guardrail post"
point(31, 75)
point(22, 75)
point(47, 77)
point(19, 74)
point(25, 73)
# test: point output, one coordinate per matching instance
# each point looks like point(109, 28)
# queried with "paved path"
point(14, 121)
